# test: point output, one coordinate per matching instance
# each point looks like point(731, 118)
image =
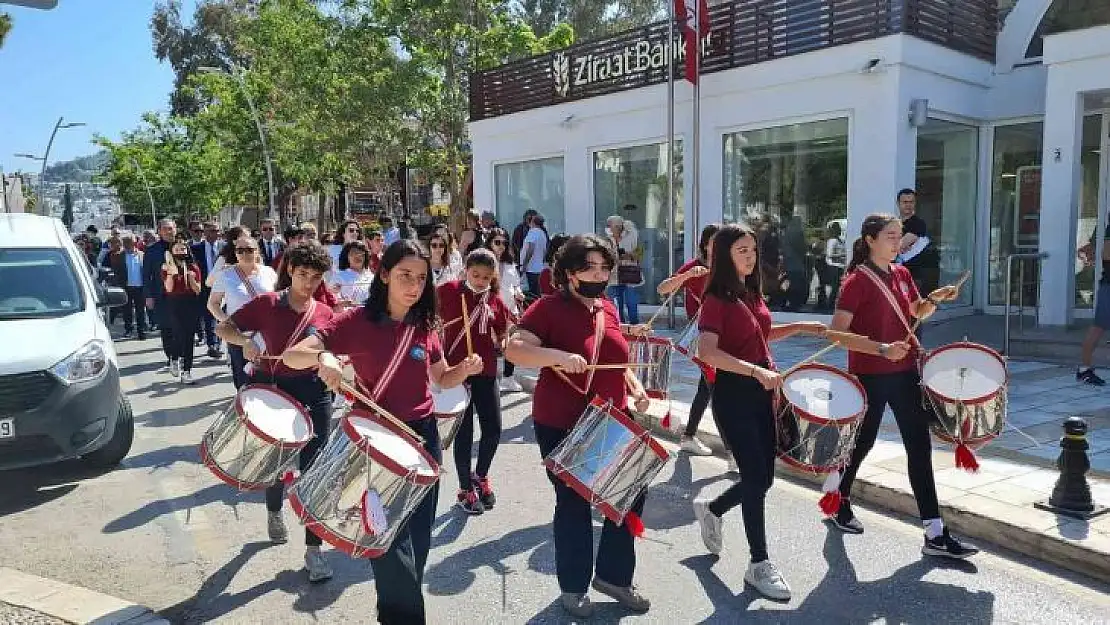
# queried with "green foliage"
point(588, 19)
point(80, 169)
point(5, 27)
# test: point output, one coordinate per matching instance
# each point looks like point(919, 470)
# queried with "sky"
point(86, 60)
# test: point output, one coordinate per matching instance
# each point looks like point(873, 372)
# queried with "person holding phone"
point(181, 284)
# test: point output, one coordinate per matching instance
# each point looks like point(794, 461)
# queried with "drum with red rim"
point(363, 485)
point(687, 344)
point(655, 353)
point(257, 439)
point(966, 384)
point(449, 406)
point(821, 411)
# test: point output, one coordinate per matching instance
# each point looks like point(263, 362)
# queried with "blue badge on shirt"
point(417, 353)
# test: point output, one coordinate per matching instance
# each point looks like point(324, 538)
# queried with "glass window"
point(947, 181)
point(632, 183)
point(1067, 15)
point(534, 184)
point(1086, 225)
point(37, 283)
point(790, 183)
point(1015, 209)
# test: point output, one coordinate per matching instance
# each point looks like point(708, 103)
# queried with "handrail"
point(1009, 290)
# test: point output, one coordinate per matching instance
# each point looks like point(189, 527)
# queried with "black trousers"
point(698, 406)
point(399, 572)
point(207, 321)
point(485, 400)
point(902, 392)
point(134, 312)
point(239, 377)
point(533, 283)
point(509, 369)
point(161, 314)
point(574, 533)
point(311, 392)
point(183, 312)
point(744, 413)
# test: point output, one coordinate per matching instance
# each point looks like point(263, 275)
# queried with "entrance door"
point(1091, 222)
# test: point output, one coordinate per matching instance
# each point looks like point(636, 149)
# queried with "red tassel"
point(710, 374)
point(350, 398)
point(288, 478)
point(830, 503)
point(965, 459)
point(634, 524)
point(666, 422)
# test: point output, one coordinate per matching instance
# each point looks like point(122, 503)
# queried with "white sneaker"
point(765, 578)
point(710, 526)
point(275, 527)
point(187, 377)
point(175, 368)
point(694, 447)
point(732, 468)
point(510, 385)
point(318, 569)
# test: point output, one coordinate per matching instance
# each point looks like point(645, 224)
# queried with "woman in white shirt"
point(511, 294)
point(351, 281)
point(349, 231)
point(233, 287)
point(836, 259)
point(443, 270)
point(227, 253)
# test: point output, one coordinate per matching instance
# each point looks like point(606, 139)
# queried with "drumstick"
point(466, 326)
point(627, 365)
point(354, 392)
point(662, 307)
point(828, 348)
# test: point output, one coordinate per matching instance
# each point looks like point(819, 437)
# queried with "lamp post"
point(149, 194)
point(61, 124)
point(39, 200)
point(238, 76)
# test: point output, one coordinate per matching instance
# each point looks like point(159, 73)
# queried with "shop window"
point(1015, 209)
point(537, 185)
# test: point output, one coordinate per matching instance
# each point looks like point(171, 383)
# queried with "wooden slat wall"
point(745, 32)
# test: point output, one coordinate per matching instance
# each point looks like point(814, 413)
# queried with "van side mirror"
point(113, 297)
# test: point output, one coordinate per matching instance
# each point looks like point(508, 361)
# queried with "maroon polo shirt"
point(547, 281)
point(180, 286)
point(742, 327)
point(693, 290)
point(565, 323)
point(875, 318)
point(371, 345)
point(270, 314)
point(485, 336)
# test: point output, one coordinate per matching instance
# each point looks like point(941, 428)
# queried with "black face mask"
point(181, 257)
point(591, 290)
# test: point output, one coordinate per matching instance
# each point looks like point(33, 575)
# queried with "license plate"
point(7, 428)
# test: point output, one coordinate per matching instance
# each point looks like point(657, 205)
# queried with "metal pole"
point(670, 158)
point(695, 191)
point(4, 189)
point(261, 137)
point(42, 174)
point(142, 176)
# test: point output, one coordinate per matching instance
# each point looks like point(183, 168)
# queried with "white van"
point(60, 393)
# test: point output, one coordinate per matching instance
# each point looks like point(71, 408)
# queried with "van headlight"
point(87, 363)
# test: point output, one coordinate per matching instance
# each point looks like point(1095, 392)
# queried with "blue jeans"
point(239, 377)
point(628, 302)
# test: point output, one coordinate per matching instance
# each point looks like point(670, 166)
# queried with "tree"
point(5, 27)
point(590, 19)
point(67, 207)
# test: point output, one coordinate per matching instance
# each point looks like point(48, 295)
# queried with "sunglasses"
point(267, 230)
point(352, 230)
point(438, 246)
point(245, 250)
point(499, 242)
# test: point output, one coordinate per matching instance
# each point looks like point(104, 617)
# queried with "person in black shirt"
point(1086, 372)
point(925, 265)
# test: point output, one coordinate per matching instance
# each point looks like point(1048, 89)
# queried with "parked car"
point(60, 395)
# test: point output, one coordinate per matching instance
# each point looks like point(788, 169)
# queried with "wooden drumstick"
point(466, 326)
point(662, 307)
point(828, 348)
point(627, 365)
point(349, 389)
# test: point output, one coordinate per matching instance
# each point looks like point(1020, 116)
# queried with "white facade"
point(883, 145)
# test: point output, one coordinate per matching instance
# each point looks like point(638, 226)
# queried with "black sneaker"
point(1088, 376)
point(845, 520)
point(468, 502)
point(484, 489)
point(128, 334)
point(948, 546)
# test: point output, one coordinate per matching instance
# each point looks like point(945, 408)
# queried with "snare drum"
point(821, 413)
point(450, 404)
point(608, 459)
point(257, 438)
point(687, 345)
point(966, 383)
point(656, 352)
point(364, 484)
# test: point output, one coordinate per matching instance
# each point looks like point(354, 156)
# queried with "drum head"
point(964, 372)
point(403, 452)
point(274, 415)
point(450, 400)
point(824, 392)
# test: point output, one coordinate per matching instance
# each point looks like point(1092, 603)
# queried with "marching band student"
point(878, 299)
point(692, 278)
point(736, 328)
point(512, 294)
point(489, 320)
point(284, 317)
point(394, 335)
point(563, 334)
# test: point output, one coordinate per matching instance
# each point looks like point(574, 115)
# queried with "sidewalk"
point(30, 600)
point(995, 504)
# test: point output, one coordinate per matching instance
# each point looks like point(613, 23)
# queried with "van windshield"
point(37, 283)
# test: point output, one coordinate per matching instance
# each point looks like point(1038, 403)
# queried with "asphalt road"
point(163, 532)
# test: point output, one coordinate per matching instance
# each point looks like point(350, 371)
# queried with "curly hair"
point(308, 254)
point(354, 246)
point(572, 257)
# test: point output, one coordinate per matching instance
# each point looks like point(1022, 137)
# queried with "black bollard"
point(1072, 495)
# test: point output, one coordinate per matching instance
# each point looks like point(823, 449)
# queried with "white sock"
point(933, 528)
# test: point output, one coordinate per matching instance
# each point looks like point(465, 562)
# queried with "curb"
point(969, 522)
point(69, 603)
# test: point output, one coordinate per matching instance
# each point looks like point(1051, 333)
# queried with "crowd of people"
point(411, 316)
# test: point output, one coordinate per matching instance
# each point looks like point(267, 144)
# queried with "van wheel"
point(117, 448)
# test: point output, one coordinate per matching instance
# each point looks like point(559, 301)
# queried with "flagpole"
point(670, 158)
point(695, 191)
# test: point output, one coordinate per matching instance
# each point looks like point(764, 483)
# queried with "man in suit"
point(153, 258)
point(127, 274)
point(270, 246)
point(206, 252)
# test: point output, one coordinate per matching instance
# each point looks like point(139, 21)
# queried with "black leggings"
point(698, 406)
point(310, 391)
point(484, 400)
point(183, 312)
point(744, 414)
point(902, 391)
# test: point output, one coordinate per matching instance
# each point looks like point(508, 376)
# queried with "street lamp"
point(149, 194)
point(237, 74)
point(61, 124)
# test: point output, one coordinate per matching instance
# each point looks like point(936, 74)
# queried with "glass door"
point(1090, 229)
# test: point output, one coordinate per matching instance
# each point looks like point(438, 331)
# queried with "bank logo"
point(560, 69)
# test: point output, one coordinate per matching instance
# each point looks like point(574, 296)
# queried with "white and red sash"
point(891, 299)
point(392, 367)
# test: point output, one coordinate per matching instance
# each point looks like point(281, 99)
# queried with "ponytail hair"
point(872, 226)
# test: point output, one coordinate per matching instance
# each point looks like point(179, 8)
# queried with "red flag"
point(692, 31)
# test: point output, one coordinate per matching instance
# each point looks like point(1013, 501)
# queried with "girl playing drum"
point(571, 330)
point(878, 299)
point(736, 328)
point(401, 307)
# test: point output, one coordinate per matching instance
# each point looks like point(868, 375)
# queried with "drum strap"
point(599, 333)
point(481, 317)
point(245, 279)
point(302, 325)
point(891, 299)
point(759, 330)
point(392, 367)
